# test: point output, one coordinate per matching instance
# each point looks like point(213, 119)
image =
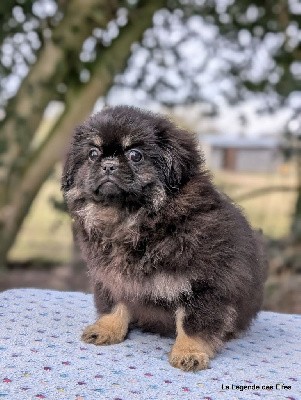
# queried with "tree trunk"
point(54, 64)
point(296, 222)
point(110, 61)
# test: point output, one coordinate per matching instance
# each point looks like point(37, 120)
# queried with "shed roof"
point(240, 141)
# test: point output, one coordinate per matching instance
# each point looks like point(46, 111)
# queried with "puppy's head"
point(127, 157)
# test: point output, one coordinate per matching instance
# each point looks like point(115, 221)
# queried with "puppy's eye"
point(135, 155)
point(94, 154)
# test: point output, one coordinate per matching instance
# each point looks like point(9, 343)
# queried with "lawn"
point(271, 212)
point(46, 233)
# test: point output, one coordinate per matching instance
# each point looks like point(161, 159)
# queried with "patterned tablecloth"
point(42, 357)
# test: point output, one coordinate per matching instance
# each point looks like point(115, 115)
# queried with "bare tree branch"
point(264, 191)
point(57, 56)
point(110, 61)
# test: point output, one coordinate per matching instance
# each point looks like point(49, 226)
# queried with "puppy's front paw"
point(102, 335)
point(109, 329)
point(189, 361)
point(189, 353)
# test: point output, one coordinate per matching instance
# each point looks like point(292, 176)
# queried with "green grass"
point(46, 233)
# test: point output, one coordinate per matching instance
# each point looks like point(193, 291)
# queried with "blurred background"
point(229, 71)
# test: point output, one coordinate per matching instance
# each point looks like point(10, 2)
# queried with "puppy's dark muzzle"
point(107, 186)
point(106, 189)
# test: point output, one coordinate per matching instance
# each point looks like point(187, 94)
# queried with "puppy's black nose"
point(109, 166)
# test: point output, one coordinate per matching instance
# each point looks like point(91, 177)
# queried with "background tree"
point(225, 51)
point(74, 51)
point(58, 71)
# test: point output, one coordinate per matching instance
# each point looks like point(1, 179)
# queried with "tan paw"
point(99, 335)
point(110, 328)
point(189, 361)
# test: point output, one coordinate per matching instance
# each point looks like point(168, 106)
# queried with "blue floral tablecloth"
point(42, 357)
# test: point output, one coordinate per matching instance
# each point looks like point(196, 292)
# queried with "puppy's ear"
point(68, 172)
point(71, 162)
point(182, 159)
point(173, 172)
point(72, 158)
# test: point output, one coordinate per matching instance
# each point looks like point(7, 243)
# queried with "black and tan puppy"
point(164, 248)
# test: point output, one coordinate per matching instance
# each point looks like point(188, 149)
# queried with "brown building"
point(242, 154)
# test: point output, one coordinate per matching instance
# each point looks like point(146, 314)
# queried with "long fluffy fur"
point(170, 240)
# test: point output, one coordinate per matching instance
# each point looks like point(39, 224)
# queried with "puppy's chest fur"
point(118, 258)
point(160, 286)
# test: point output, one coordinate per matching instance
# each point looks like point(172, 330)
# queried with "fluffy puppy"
point(165, 249)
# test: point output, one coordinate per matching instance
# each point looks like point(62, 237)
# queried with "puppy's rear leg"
point(189, 353)
point(110, 328)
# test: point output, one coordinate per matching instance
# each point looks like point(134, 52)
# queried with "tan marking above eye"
point(96, 140)
point(126, 142)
